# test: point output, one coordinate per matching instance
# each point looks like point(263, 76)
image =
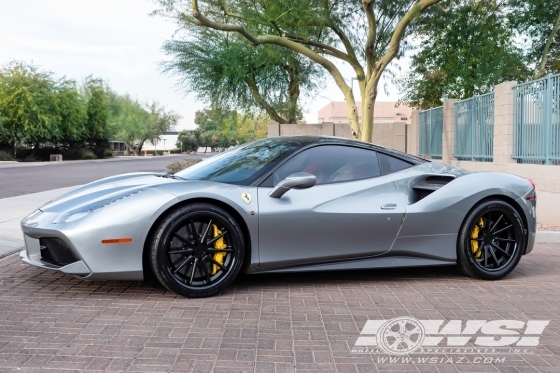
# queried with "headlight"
point(84, 211)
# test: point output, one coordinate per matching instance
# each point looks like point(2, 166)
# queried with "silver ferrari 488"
point(285, 204)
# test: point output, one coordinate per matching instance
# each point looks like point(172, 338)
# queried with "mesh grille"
point(55, 251)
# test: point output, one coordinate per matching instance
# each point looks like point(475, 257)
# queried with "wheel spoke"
point(494, 256)
point(502, 250)
point(505, 239)
point(195, 264)
point(183, 264)
point(213, 251)
point(193, 231)
point(205, 270)
point(496, 223)
point(181, 251)
point(485, 256)
point(216, 238)
point(217, 263)
point(503, 229)
point(205, 234)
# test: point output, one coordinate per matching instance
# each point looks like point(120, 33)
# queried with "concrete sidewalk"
point(11, 164)
point(13, 210)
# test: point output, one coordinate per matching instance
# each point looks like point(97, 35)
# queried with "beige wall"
point(384, 112)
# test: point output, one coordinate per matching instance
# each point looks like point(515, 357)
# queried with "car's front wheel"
point(197, 250)
point(491, 240)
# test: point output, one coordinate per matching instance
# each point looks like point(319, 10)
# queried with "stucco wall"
point(384, 112)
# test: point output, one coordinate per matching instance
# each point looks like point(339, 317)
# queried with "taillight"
point(534, 196)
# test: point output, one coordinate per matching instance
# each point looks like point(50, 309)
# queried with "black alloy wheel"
point(492, 241)
point(197, 250)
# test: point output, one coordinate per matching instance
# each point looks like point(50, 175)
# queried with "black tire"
point(491, 241)
point(190, 257)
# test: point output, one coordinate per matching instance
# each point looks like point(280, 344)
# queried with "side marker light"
point(116, 240)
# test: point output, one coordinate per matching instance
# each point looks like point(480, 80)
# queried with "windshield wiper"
point(172, 176)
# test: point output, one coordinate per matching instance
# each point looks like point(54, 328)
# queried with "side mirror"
point(299, 180)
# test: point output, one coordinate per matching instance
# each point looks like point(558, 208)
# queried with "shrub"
point(6, 157)
point(181, 164)
point(107, 153)
point(86, 153)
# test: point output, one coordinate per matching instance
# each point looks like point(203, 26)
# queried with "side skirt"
point(384, 262)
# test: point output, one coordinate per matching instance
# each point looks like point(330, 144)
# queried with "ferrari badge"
point(246, 197)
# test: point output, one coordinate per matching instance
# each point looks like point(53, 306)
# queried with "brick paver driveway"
point(266, 323)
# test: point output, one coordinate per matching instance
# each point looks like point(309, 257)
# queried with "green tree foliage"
point(467, 47)
point(538, 22)
point(227, 69)
point(366, 35)
point(28, 104)
point(96, 121)
point(37, 110)
point(188, 141)
point(221, 128)
point(135, 123)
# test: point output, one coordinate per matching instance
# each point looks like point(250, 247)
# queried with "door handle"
point(389, 206)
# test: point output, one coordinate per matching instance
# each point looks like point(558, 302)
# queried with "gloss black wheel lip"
point(512, 220)
point(220, 276)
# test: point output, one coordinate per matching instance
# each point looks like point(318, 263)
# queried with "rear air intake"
point(55, 251)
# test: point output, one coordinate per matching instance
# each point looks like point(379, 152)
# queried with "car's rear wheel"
point(491, 240)
point(197, 250)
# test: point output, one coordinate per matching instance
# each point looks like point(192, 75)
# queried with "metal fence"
point(536, 121)
point(474, 128)
point(431, 131)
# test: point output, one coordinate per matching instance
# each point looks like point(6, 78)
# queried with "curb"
point(2, 256)
point(547, 237)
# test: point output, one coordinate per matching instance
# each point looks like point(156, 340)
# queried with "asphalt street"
point(20, 179)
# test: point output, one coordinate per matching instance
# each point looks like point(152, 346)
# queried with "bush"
point(181, 164)
point(6, 157)
point(86, 153)
point(107, 153)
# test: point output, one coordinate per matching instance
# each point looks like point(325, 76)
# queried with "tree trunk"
point(293, 90)
point(139, 148)
point(250, 81)
point(368, 104)
point(544, 58)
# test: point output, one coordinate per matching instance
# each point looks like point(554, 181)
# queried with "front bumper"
point(32, 255)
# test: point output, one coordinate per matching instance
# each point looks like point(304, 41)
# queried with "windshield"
point(242, 165)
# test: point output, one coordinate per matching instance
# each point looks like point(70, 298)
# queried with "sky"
point(115, 40)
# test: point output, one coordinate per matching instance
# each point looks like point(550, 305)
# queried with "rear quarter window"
point(390, 164)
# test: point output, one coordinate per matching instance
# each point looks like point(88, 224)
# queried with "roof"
point(312, 140)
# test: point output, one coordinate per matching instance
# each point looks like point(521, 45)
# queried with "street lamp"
point(164, 140)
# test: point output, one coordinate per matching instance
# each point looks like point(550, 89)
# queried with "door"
point(351, 212)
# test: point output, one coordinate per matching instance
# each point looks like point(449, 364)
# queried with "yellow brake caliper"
point(219, 244)
point(474, 243)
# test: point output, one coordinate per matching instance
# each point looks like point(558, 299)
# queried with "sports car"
point(285, 204)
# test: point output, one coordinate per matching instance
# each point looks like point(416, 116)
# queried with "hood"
point(114, 187)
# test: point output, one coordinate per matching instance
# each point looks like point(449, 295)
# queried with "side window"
point(331, 164)
point(391, 164)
